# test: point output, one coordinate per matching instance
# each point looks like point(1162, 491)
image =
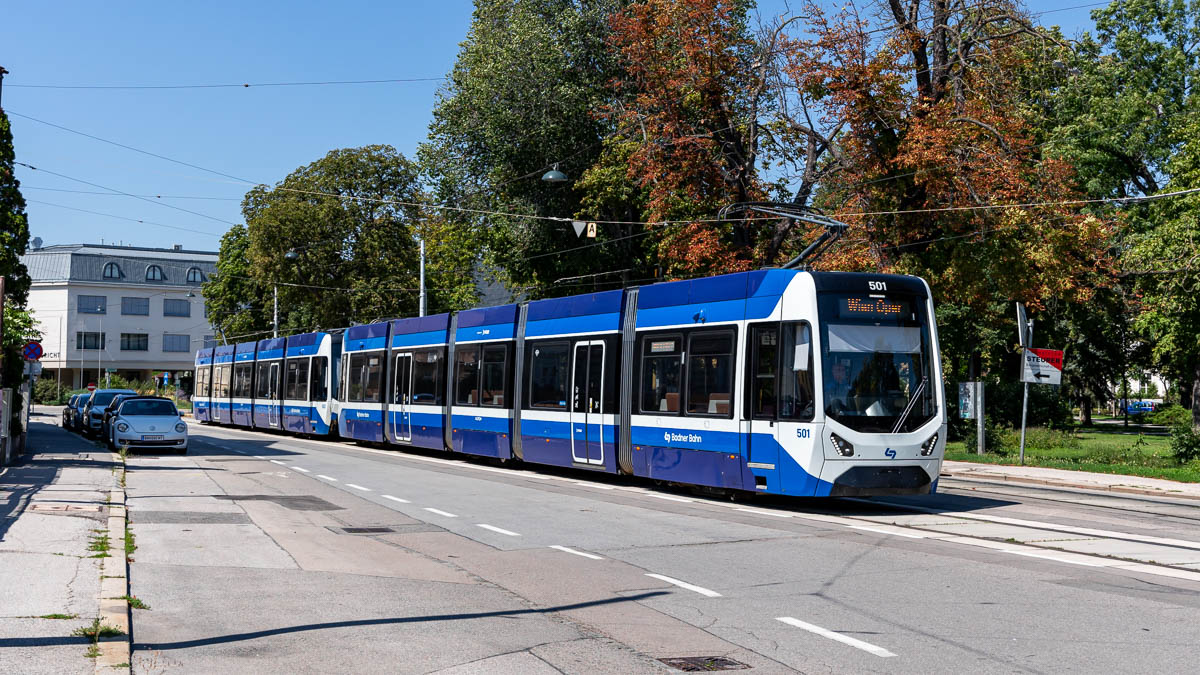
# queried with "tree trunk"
point(1196, 397)
point(1085, 410)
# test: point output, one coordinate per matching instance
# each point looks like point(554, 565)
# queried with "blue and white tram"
point(310, 382)
point(479, 401)
point(267, 403)
point(222, 405)
point(202, 396)
point(241, 388)
point(364, 360)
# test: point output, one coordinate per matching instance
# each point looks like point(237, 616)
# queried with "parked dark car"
point(68, 413)
point(110, 411)
point(93, 411)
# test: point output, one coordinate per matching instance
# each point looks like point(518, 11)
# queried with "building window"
point(154, 273)
point(91, 304)
point(194, 275)
point(89, 340)
point(135, 342)
point(135, 306)
point(176, 307)
point(176, 343)
point(112, 271)
point(208, 342)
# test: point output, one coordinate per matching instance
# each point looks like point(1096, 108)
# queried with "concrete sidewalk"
point(1066, 478)
point(53, 506)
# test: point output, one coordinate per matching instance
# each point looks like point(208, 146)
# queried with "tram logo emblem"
point(891, 454)
point(681, 438)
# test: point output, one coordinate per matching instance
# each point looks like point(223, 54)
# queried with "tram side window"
point(662, 371)
point(318, 388)
point(710, 373)
point(764, 367)
point(495, 361)
point(373, 378)
point(796, 377)
point(427, 377)
point(241, 380)
point(203, 381)
point(355, 375)
point(262, 386)
point(466, 376)
point(296, 386)
point(548, 372)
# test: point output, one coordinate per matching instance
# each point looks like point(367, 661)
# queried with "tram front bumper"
point(884, 479)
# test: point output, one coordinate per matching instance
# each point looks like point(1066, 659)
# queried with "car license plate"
point(152, 438)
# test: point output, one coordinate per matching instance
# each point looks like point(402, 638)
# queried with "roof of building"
point(86, 262)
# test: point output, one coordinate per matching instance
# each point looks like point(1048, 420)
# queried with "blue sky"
point(259, 134)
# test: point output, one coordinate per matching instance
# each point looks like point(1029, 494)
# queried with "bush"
point(1185, 443)
point(1172, 416)
point(1047, 407)
point(48, 392)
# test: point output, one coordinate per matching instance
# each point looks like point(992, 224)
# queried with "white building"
point(105, 309)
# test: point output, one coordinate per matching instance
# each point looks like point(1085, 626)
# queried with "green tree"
point(238, 305)
point(526, 94)
point(349, 220)
point(14, 240)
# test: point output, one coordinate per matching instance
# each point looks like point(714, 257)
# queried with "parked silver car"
point(147, 422)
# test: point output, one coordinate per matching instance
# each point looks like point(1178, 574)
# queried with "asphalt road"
point(486, 568)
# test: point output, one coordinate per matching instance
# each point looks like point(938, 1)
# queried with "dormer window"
point(154, 273)
point(194, 275)
point(112, 271)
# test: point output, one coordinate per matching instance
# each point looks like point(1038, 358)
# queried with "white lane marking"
point(275, 461)
point(669, 497)
point(564, 549)
point(683, 584)
point(595, 485)
point(766, 513)
point(259, 457)
point(300, 469)
point(1071, 561)
point(358, 487)
point(440, 512)
point(501, 530)
point(396, 499)
point(879, 531)
point(844, 639)
point(321, 475)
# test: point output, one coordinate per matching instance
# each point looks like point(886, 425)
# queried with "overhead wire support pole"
point(421, 303)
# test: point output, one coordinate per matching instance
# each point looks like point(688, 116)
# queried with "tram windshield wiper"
point(911, 402)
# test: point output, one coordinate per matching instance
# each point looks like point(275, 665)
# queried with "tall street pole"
point(421, 309)
point(2, 73)
point(1025, 398)
point(275, 321)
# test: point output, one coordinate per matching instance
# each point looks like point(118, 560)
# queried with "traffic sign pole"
point(1025, 397)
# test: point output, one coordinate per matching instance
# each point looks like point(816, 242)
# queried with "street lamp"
point(554, 175)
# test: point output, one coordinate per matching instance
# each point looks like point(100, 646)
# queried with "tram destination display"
point(868, 307)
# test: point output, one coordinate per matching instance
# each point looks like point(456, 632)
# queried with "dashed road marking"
point(440, 512)
point(275, 461)
point(501, 530)
point(358, 487)
point(564, 549)
point(669, 498)
point(396, 499)
point(595, 485)
point(259, 457)
point(321, 475)
point(879, 531)
point(760, 512)
point(300, 469)
point(844, 639)
point(683, 584)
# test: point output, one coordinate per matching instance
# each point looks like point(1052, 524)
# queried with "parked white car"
point(148, 422)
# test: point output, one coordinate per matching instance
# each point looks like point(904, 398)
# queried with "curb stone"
point(1124, 489)
point(114, 589)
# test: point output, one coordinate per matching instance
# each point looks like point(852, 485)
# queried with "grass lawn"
point(1089, 450)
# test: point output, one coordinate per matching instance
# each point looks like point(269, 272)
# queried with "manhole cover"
point(366, 530)
point(292, 502)
point(704, 664)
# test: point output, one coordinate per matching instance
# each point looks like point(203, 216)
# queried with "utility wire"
point(110, 215)
point(244, 85)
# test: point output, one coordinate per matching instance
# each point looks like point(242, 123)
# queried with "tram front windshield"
point(876, 359)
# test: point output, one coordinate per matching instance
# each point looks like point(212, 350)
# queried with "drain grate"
point(366, 530)
point(704, 664)
point(292, 502)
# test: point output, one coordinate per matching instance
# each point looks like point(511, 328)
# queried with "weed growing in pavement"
point(94, 632)
point(93, 651)
point(130, 546)
point(135, 602)
point(58, 616)
point(99, 545)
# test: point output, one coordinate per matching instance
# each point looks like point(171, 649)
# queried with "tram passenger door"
point(763, 362)
point(274, 404)
point(401, 417)
point(587, 396)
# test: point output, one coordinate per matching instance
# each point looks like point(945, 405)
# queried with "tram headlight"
point(928, 446)
point(842, 446)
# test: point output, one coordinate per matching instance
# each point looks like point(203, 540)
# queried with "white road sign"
point(1042, 366)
